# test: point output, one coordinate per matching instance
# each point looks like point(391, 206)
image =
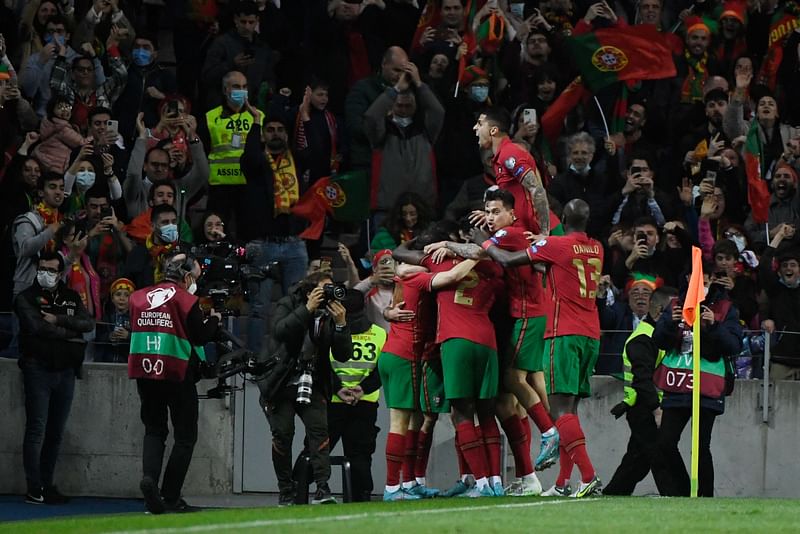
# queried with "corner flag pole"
point(695, 406)
point(691, 315)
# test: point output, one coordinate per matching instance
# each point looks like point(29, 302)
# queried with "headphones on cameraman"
point(175, 269)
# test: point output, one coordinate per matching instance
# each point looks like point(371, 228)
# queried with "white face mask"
point(739, 242)
point(402, 122)
point(192, 289)
point(47, 279)
point(582, 172)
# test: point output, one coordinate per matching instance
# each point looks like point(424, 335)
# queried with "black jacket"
point(57, 346)
point(784, 310)
point(293, 323)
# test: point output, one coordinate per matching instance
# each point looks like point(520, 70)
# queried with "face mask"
point(583, 172)
point(739, 242)
point(238, 97)
point(169, 233)
point(402, 122)
point(85, 179)
point(58, 38)
point(479, 93)
point(192, 288)
point(142, 56)
point(47, 279)
point(705, 291)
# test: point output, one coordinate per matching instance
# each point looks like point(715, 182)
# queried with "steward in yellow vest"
point(353, 410)
point(642, 399)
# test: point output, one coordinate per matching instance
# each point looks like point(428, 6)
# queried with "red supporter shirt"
point(463, 308)
point(525, 293)
point(408, 340)
point(575, 265)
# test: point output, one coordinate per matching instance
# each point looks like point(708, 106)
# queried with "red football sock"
point(565, 465)
point(569, 428)
point(526, 426)
point(423, 452)
point(473, 449)
point(517, 440)
point(410, 455)
point(463, 469)
point(395, 450)
point(540, 417)
point(491, 440)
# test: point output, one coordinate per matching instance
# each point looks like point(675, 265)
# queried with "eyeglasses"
point(732, 233)
point(83, 70)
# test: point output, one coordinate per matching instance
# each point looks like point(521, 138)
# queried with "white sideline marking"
point(348, 517)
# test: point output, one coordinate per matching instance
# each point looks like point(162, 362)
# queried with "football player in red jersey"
point(515, 170)
point(575, 263)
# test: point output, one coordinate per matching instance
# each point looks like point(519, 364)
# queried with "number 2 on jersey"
point(596, 268)
point(461, 296)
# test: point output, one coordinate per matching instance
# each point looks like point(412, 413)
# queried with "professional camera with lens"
point(226, 273)
point(333, 292)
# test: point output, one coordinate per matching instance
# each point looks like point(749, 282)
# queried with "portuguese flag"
point(783, 23)
point(757, 191)
point(611, 55)
point(553, 118)
point(345, 197)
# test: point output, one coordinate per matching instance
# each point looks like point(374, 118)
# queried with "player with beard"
point(575, 263)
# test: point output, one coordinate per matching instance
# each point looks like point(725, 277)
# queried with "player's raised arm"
point(533, 183)
point(505, 258)
point(452, 276)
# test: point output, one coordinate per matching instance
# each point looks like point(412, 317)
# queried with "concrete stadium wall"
point(101, 453)
point(102, 446)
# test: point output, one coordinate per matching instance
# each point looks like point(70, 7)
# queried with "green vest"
point(228, 136)
point(646, 329)
point(367, 348)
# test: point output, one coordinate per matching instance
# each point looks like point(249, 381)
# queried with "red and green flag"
point(553, 118)
point(785, 21)
point(611, 55)
point(758, 194)
point(345, 197)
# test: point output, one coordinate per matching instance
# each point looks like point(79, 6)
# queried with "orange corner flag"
point(695, 294)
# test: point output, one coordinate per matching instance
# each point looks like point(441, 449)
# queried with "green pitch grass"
point(505, 515)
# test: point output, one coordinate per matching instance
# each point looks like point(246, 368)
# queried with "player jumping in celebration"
point(575, 263)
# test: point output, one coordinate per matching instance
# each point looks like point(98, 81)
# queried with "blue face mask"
point(479, 93)
point(169, 233)
point(85, 179)
point(142, 57)
point(238, 97)
point(60, 40)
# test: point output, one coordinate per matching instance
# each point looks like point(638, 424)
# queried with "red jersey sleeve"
point(545, 250)
point(420, 281)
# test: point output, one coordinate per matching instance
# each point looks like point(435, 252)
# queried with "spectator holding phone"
point(114, 332)
point(640, 197)
point(83, 174)
point(645, 257)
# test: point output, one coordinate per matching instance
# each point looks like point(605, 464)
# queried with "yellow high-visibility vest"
point(367, 348)
point(228, 136)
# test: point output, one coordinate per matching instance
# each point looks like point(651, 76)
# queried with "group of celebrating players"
point(444, 357)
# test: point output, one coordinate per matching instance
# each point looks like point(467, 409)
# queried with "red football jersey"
point(525, 293)
point(408, 340)
point(575, 264)
point(511, 164)
point(463, 308)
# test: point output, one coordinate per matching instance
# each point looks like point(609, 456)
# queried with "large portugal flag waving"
point(612, 55)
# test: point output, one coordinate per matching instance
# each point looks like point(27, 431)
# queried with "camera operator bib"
point(160, 347)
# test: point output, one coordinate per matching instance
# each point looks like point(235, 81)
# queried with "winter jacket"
point(784, 310)
point(403, 158)
point(293, 324)
point(219, 61)
point(134, 97)
point(57, 346)
point(57, 139)
point(30, 235)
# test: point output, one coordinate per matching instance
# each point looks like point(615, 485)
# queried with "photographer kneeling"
point(310, 323)
point(168, 332)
